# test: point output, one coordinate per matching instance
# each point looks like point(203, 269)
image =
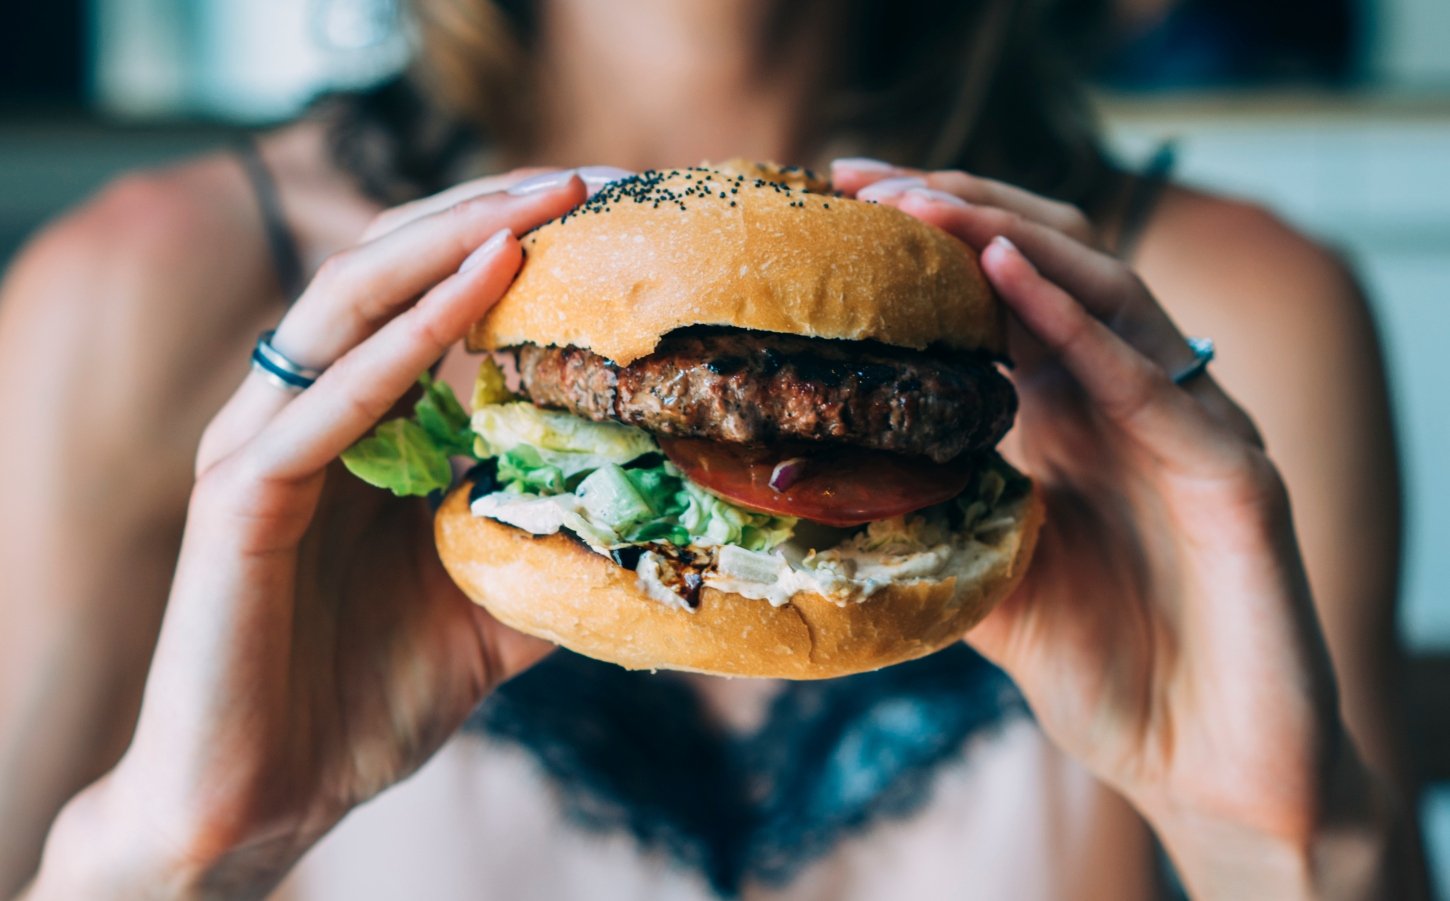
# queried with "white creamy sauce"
point(543, 516)
point(540, 516)
point(846, 574)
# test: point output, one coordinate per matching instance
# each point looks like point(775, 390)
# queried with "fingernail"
point(542, 182)
point(889, 187)
point(485, 250)
point(596, 177)
point(1002, 242)
point(939, 196)
point(864, 163)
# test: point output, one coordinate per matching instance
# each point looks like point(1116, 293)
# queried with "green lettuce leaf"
point(524, 469)
point(402, 457)
point(410, 456)
point(610, 497)
point(640, 504)
point(443, 418)
point(557, 470)
point(569, 443)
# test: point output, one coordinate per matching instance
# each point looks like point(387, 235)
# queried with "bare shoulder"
point(141, 304)
point(1283, 307)
point(122, 329)
point(145, 240)
point(1217, 251)
point(157, 274)
point(1298, 348)
point(120, 334)
point(184, 247)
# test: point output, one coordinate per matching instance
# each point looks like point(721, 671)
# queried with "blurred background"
point(1336, 113)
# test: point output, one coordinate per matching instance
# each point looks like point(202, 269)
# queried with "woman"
point(160, 285)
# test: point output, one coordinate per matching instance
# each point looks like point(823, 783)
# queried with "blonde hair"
point(472, 60)
point(981, 85)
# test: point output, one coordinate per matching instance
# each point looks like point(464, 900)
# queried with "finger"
point(362, 386)
point(594, 177)
point(850, 174)
point(361, 288)
point(873, 180)
point(249, 408)
point(393, 218)
point(1090, 275)
point(347, 303)
point(1124, 385)
point(1110, 290)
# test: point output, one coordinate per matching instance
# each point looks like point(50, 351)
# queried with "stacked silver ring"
point(278, 369)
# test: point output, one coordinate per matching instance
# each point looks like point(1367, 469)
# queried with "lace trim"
point(635, 752)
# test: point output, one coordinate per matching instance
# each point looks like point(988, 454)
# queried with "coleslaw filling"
point(608, 485)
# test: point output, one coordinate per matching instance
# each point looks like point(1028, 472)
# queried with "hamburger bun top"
point(745, 245)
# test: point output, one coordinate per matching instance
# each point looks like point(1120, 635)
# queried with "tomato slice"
point(837, 487)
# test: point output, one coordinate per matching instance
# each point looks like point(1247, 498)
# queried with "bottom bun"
point(555, 588)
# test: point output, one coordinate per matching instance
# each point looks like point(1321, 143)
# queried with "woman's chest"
point(1006, 818)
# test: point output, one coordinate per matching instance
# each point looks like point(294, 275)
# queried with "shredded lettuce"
point(648, 500)
point(610, 497)
point(932, 526)
point(605, 481)
point(571, 444)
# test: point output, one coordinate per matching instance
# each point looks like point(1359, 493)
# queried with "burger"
point(730, 422)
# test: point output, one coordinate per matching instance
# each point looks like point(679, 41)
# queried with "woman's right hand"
point(314, 651)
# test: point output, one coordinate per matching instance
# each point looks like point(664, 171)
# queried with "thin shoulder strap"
point(1143, 195)
point(281, 240)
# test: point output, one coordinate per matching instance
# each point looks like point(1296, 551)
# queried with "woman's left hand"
point(1164, 634)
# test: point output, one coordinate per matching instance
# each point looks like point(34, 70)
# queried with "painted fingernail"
point(596, 177)
point(938, 196)
point(485, 250)
point(863, 163)
point(541, 182)
point(889, 187)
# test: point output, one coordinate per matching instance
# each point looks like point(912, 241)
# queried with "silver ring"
point(1203, 351)
point(278, 369)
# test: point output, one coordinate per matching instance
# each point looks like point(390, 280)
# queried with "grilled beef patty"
point(756, 388)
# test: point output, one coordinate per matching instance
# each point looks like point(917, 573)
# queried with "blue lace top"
point(635, 751)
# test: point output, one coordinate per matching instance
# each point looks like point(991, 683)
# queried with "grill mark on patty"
point(754, 388)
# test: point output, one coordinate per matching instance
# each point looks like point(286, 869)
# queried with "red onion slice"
point(787, 472)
